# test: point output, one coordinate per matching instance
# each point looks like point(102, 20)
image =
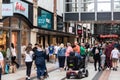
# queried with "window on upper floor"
point(117, 5)
point(71, 7)
point(104, 6)
point(103, 0)
point(87, 7)
point(71, 0)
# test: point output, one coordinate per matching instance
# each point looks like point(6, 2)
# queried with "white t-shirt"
point(28, 57)
point(13, 52)
point(1, 56)
point(115, 53)
point(47, 50)
point(56, 49)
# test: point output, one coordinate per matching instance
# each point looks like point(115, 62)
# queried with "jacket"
point(61, 52)
point(39, 57)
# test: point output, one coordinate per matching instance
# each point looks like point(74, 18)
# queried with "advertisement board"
point(45, 20)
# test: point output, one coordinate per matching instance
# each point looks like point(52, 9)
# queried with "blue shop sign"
point(44, 20)
point(41, 20)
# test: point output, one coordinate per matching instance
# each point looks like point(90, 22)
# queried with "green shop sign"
point(44, 21)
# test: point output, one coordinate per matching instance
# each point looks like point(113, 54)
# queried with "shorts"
point(114, 59)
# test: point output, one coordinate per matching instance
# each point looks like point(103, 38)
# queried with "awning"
point(53, 32)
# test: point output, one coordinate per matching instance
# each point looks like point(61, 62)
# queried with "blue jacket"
point(61, 52)
point(39, 57)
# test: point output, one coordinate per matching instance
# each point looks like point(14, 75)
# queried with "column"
point(55, 14)
point(1, 24)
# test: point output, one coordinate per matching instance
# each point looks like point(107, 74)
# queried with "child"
point(103, 60)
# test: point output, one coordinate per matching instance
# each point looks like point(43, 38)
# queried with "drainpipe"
point(55, 14)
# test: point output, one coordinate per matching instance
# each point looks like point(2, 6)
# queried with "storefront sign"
point(21, 8)
point(109, 36)
point(41, 20)
point(14, 0)
point(45, 20)
point(7, 10)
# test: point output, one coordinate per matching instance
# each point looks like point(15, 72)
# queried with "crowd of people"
point(105, 54)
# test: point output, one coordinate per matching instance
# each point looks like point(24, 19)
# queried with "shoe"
point(107, 68)
point(26, 78)
point(115, 69)
point(99, 69)
point(95, 69)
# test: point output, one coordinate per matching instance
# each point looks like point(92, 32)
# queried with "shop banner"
point(21, 8)
point(7, 10)
point(44, 20)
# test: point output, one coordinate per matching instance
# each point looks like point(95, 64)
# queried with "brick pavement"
point(20, 73)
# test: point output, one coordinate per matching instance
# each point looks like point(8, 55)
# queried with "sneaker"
point(115, 69)
point(107, 68)
point(95, 69)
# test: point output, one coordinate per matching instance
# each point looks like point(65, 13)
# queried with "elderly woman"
point(61, 56)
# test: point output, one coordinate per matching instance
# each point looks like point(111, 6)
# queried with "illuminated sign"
point(109, 36)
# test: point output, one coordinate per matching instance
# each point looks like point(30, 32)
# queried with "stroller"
point(76, 67)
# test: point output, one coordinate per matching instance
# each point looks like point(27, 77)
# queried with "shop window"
point(3, 36)
point(15, 23)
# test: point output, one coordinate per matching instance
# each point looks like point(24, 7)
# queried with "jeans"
point(13, 58)
point(28, 71)
point(40, 70)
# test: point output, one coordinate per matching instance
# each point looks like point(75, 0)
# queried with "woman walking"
point(13, 58)
point(28, 60)
point(40, 62)
point(61, 56)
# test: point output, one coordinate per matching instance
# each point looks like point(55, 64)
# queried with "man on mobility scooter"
point(76, 67)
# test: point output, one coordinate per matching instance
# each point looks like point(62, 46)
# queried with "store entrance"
point(15, 39)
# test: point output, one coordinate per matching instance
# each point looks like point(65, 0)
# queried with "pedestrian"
point(108, 50)
point(61, 56)
point(83, 52)
point(40, 62)
point(13, 57)
point(1, 65)
point(56, 47)
point(51, 53)
point(76, 49)
point(114, 57)
point(28, 60)
point(47, 52)
point(69, 49)
point(103, 57)
point(96, 57)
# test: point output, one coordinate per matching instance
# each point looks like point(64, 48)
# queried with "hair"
point(40, 45)
point(12, 45)
point(68, 44)
point(61, 45)
point(28, 49)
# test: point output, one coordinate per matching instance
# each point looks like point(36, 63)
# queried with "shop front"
point(16, 28)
